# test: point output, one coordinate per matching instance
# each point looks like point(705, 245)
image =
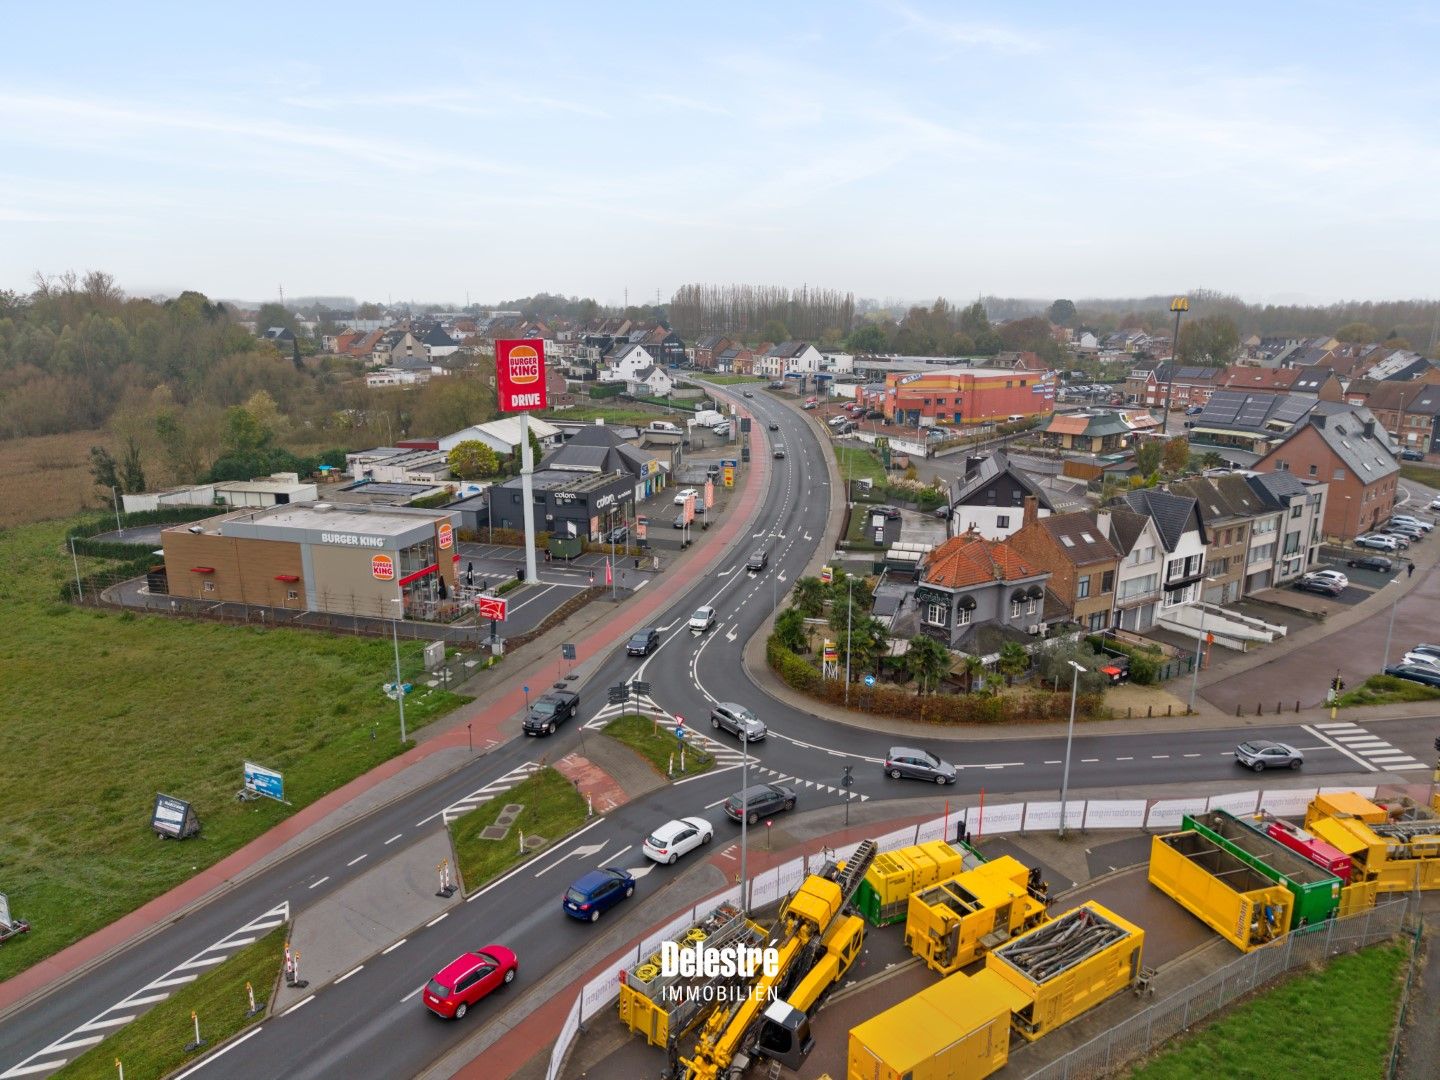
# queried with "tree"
point(866, 643)
point(472, 459)
point(1358, 333)
point(869, 339)
point(774, 332)
point(973, 668)
point(1211, 341)
point(810, 596)
point(1052, 661)
point(927, 660)
point(244, 434)
point(1148, 455)
point(273, 314)
point(1176, 455)
point(132, 475)
point(1014, 661)
point(103, 468)
point(790, 629)
point(1061, 313)
point(1211, 460)
point(974, 321)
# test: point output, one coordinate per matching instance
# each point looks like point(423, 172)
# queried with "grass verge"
point(1387, 690)
point(618, 415)
point(105, 708)
point(1420, 474)
point(553, 810)
point(154, 1044)
point(857, 463)
point(727, 380)
point(1348, 1010)
point(656, 743)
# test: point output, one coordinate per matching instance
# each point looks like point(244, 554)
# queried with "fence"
point(1141, 1033)
point(777, 883)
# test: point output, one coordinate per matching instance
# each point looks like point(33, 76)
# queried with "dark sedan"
point(1320, 585)
point(1415, 673)
point(1377, 563)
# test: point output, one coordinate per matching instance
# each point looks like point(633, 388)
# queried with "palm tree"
point(1014, 661)
point(809, 596)
point(927, 660)
point(973, 668)
point(1211, 460)
point(790, 629)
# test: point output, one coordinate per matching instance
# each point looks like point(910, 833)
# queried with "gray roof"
point(789, 348)
point(1126, 527)
point(1173, 514)
point(1310, 380)
point(438, 337)
point(988, 471)
point(575, 455)
point(1221, 498)
point(1276, 488)
point(596, 435)
point(1368, 457)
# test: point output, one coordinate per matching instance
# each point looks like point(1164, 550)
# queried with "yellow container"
point(1389, 863)
point(1235, 900)
point(894, 875)
point(952, 923)
point(1344, 804)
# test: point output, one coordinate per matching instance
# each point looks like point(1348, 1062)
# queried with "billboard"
point(445, 535)
point(263, 781)
point(520, 374)
point(173, 817)
point(709, 493)
point(641, 523)
point(687, 509)
point(382, 568)
point(491, 607)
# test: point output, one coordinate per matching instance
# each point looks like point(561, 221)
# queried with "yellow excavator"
point(816, 939)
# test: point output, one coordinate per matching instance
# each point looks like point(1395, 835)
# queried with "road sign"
point(263, 781)
point(491, 607)
point(680, 731)
point(679, 719)
point(869, 680)
point(525, 689)
point(567, 651)
point(640, 687)
point(618, 695)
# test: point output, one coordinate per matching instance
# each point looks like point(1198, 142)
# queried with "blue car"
point(597, 891)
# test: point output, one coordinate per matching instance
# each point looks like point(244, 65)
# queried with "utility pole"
point(1179, 305)
point(1069, 736)
point(744, 814)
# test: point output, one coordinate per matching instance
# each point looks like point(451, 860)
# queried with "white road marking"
point(76, 1044)
point(298, 1005)
point(1124, 759)
point(204, 961)
point(613, 859)
point(439, 918)
point(320, 882)
point(392, 948)
point(412, 993)
point(530, 863)
point(38, 1067)
point(223, 1050)
point(352, 971)
point(1088, 760)
point(109, 1021)
point(358, 858)
point(1336, 746)
point(1159, 757)
point(393, 839)
point(178, 980)
point(1053, 763)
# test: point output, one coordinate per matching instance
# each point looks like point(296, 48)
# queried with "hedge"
point(605, 390)
point(1144, 662)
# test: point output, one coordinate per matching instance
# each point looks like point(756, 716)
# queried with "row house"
point(736, 360)
point(1083, 563)
point(1191, 386)
point(708, 348)
point(1183, 540)
point(788, 356)
point(1346, 449)
point(1408, 411)
point(1228, 507)
point(1136, 539)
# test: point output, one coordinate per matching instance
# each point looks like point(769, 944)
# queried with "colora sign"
point(382, 568)
point(520, 374)
point(445, 535)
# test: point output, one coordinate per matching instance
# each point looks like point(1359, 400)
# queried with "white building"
point(1137, 582)
point(652, 382)
point(502, 436)
point(626, 364)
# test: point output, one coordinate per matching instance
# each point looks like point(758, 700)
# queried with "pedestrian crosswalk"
point(122, 1012)
point(483, 795)
point(801, 782)
point(1373, 752)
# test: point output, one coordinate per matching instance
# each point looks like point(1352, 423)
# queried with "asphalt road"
point(372, 1023)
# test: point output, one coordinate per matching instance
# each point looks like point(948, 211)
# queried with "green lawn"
point(1334, 1023)
point(859, 462)
point(553, 810)
point(859, 535)
point(103, 709)
point(727, 380)
point(1417, 473)
point(154, 1045)
point(626, 414)
point(1387, 690)
point(657, 745)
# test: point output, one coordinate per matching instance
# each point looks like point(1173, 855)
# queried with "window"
point(208, 586)
point(1292, 543)
point(1032, 608)
point(1082, 588)
point(935, 614)
point(1002, 521)
point(1295, 510)
point(962, 617)
point(1097, 620)
point(291, 594)
point(1067, 541)
point(1107, 583)
point(1014, 609)
point(1281, 465)
point(1339, 474)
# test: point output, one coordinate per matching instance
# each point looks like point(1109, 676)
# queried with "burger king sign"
point(520, 374)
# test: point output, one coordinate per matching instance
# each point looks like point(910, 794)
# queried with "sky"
point(897, 149)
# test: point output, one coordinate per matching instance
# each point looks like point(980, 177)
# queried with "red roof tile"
point(971, 560)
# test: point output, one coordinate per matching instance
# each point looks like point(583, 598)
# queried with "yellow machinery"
point(816, 940)
point(955, 922)
point(1066, 966)
point(1393, 850)
point(957, 1029)
point(1231, 897)
point(894, 875)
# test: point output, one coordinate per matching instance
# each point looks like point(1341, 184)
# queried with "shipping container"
point(1342, 804)
point(884, 894)
point(1234, 899)
point(953, 922)
point(1316, 891)
point(1323, 855)
point(1068, 965)
point(960, 1027)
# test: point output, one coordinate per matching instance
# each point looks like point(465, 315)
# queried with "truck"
point(550, 711)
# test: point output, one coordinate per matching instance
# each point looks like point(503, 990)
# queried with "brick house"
point(1082, 561)
point(1348, 451)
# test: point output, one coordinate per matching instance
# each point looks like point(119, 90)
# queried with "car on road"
point(779, 451)
point(1377, 542)
point(1262, 754)
point(642, 642)
point(597, 892)
point(675, 838)
point(759, 801)
point(774, 426)
point(551, 711)
point(906, 761)
point(703, 619)
point(1420, 673)
point(618, 535)
point(1378, 563)
point(749, 394)
point(775, 386)
point(467, 979)
point(1194, 410)
point(683, 494)
point(758, 561)
point(728, 716)
point(1412, 455)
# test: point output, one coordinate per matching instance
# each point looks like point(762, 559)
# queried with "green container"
point(1316, 891)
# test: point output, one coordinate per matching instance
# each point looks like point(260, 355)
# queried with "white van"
point(663, 427)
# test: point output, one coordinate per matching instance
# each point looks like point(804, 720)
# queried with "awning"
point(287, 577)
point(417, 574)
point(202, 569)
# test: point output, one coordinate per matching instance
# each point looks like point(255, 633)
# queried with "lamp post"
point(849, 616)
point(116, 496)
point(1179, 305)
point(1069, 736)
point(399, 687)
point(1390, 628)
point(744, 813)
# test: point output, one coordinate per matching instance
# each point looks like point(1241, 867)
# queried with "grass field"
point(103, 709)
point(154, 1045)
point(1420, 474)
point(857, 463)
point(48, 476)
point(553, 810)
point(620, 414)
point(1386, 690)
point(657, 744)
point(1333, 1023)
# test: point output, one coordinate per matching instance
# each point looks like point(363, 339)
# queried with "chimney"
point(1369, 429)
point(1032, 511)
point(1102, 522)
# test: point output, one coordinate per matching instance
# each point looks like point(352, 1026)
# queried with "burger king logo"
point(524, 364)
point(446, 535)
point(382, 568)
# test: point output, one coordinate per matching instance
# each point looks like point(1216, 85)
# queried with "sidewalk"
point(441, 748)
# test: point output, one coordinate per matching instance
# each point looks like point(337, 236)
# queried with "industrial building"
point(962, 396)
point(274, 490)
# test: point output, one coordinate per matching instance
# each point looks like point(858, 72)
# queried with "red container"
point(1316, 850)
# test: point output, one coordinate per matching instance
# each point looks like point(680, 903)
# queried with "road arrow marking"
point(640, 871)
point(584, 851)
point(733, 634)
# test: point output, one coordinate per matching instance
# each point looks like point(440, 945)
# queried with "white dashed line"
point(352, 971)
point(1159, 757)
point(392, 948)
point(393, 839)
point(439, 918)
point(299, 1004)
point(320, 882)
point(224, 1050)
point(357, 858)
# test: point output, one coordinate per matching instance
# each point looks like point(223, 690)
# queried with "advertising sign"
point(174, 817)
point(382, 568)
point(263, 781)
point(5, 920)
point(832, 652)
point(640, 524)
point(827, 575)
point(445, 535)
point(709, 493)
point(687, 510)
point(520, 374)
point(728, 475)
point(491, 607)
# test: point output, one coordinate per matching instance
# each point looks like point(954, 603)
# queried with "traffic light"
point(1437, 744)
point(1337, 684)
point(847, 780)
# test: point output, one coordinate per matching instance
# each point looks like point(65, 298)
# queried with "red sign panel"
point(520, 374)
point(445, 535)
point(491, 607)
point(382, 568)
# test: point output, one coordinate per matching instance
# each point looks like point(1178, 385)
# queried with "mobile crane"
point(816, 940)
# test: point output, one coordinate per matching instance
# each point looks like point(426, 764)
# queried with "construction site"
point(958, 959)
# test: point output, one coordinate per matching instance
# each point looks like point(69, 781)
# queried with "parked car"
point(1262, 754)
point(1373, 562)
point(892, 513)
point(1421, 659)
point(1402, 540)
point(906, 761)
point(618, 535)
point(1378, 542)
point(942, 512)
point(1424, 647)
point(1323, 586)
point(1333, 576)
point(759, 801)
point(775, 386)
point(1194, 410)
point(550, 711)
point(1405, 529)
point(642, 642)
point(728, 716)
point(597, 892)
point(758, 561)
point(1411, 519)
point(779, 450)
point(1434, 504)
point(1412, 455)
point(676, 838)
point(467, 979)
point(683, 494)
point(703, 619)
point(1419, 673)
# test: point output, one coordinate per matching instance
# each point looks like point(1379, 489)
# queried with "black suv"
point(758, 561)
point(551, 711)
point(642, 642)
point(758, 801)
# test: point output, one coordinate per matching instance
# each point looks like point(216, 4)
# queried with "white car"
point(1378, 542)
point(702, 620)
point(1435, 504)
point(675, 838)
point(683, 494)
point(1332, 576)
point(1424, 659)
point(1407, 519)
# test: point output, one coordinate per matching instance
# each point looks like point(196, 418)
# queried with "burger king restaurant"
point(350, 560)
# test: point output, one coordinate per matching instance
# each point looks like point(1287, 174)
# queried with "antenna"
point(282, 295)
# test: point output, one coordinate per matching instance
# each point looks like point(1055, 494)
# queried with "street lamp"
point(849, 614)
point(399, 687)
point(1200, 636)
point(1179, 305)
point(1390, 629)
point(744, 812)
point(1069, 736)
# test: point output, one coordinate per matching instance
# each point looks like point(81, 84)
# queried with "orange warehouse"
point(961, 396)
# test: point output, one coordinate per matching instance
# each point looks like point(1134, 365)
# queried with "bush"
point(605, 390)
point(431, 502)
point(1144, 662)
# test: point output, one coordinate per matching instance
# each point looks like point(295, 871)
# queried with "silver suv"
point(1262, 754)
point(906, 761)
point(728, 716)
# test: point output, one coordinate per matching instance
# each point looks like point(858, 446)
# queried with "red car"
point(462, 983)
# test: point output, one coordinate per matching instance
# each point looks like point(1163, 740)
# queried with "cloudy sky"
point(897, 149)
